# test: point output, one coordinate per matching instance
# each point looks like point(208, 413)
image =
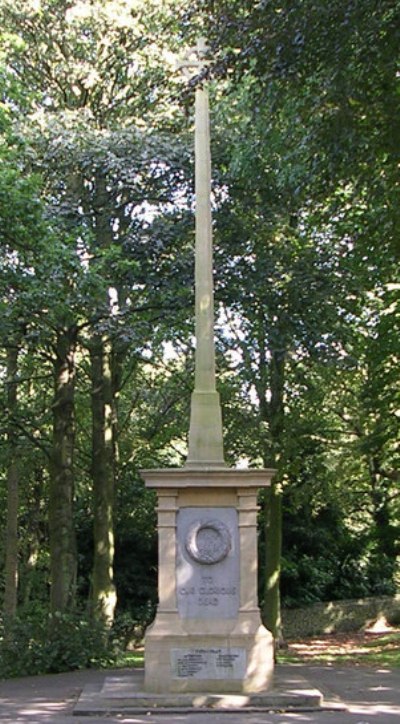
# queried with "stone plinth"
point(207, 634)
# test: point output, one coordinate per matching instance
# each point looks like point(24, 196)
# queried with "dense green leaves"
point(96, 205)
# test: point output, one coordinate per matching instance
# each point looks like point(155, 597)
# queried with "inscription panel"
point(218, 663)
point(207, 566)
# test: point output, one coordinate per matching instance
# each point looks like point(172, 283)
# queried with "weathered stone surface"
point(224, 510)
point(124, 694)
point(215, 663)
point(207, 589)
point(207, 634)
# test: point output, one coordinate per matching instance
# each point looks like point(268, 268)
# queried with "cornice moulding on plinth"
point(208, 477)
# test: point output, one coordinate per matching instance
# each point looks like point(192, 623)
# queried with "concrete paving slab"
point(125, 694)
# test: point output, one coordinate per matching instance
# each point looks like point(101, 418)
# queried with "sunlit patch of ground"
point(367, 647)
point(378, 646)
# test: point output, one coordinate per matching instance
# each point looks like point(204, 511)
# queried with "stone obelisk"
point(205, 434)
point(207, 635)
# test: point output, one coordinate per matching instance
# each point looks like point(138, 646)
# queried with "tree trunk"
point(384, 532)
point(61, 493)
point(11, 544)
point(103, 588)
point(273, 502)
point(33, 534)
point(106, 372)
point(273, 549)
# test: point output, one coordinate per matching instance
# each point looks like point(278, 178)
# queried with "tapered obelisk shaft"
point(205, 353)
point(205, 435)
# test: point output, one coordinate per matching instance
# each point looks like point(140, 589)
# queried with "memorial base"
point(238, 662)
point(123, 694)
point(207, 634)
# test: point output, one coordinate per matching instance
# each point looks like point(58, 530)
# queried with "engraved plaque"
point(207, 566)
point(217, 663)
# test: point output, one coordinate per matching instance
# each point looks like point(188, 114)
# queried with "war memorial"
point(207, 647)
point(207, 634)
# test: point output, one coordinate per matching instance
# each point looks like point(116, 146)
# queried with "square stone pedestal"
point(207, 635)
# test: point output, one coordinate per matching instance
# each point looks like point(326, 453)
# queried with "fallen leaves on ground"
point(363, 647)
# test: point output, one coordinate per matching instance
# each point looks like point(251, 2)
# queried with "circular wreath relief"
point(208, 542)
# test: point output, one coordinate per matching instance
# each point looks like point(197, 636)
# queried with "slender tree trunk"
point(34, 520)
point(118, 356)
point(103, 588)
point(106, 372)
point(273, 550)
point(11, 544)
point(61, 494)
point(384, 532)
point(273, 502)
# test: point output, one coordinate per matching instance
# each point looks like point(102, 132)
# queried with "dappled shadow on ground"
point(355, 647)
point(372, 696)
point(44, 699)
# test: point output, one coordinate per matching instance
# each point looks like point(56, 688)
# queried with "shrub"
point(130, 625)
point(37, 643)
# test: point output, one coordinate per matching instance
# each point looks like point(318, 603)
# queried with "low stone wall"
point(335, 616)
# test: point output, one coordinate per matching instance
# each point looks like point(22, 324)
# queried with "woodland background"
point(96, 324)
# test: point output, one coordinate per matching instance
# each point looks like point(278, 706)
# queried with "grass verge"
point(133, 659)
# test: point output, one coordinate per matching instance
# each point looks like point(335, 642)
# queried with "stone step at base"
point(125, 694)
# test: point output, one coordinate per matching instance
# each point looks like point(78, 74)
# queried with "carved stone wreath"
point(208, 541)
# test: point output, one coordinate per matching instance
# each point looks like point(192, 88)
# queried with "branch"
point(31, 436)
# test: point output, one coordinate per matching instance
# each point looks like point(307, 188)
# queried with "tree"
point(11, 557)
point(96, 188)
point(17, 202)
point(100, 273)
point(269, 246)
point(312, 88)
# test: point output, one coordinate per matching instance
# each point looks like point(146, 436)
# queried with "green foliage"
point(135, 565)
point(36, 643)
point(96, 238)
point(129, 628)
point(106, 58)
